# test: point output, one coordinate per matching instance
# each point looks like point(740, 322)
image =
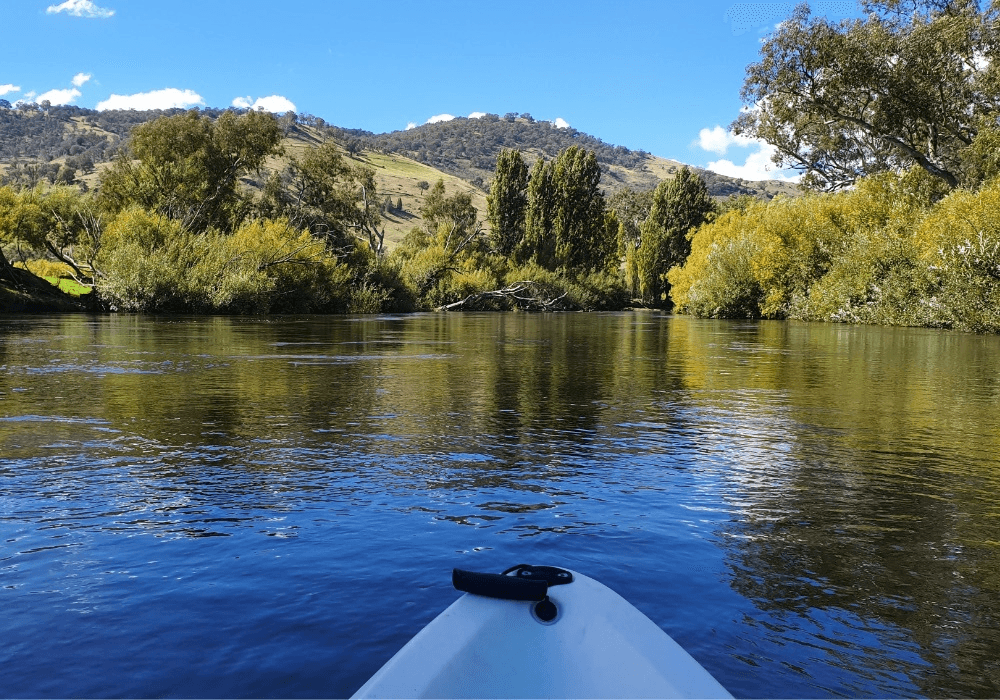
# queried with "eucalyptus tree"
point(914, 82)
point(329, 196)
point(188, 167)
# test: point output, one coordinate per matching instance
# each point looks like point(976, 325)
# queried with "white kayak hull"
point(599, 646)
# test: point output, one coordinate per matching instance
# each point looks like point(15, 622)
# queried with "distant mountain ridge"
point(65, 142)
point(468, 147)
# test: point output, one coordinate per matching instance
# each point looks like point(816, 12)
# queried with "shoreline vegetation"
point(893, 121)
point(895, 249)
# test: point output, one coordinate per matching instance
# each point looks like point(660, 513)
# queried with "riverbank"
point(26, 293)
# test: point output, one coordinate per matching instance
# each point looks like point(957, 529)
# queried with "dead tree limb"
point(526, 295)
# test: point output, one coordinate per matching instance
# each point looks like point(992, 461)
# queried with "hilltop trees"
point(914, 83)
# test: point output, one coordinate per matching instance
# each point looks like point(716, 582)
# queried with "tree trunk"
point(7, 272)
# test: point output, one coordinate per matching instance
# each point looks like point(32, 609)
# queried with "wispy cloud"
point(80, 78)
point(276, 104)
point(59, 97)
point(167, 98)
point(4, 89)
point(80, 8)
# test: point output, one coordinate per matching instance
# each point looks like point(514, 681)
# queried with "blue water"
point(271, 508)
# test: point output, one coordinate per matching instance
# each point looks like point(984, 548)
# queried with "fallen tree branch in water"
point(526, 295)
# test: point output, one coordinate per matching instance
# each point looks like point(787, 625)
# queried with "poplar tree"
point(507, 202)
point(537, 246)
point(580, 233)
point(679, 205)
point(565, 226)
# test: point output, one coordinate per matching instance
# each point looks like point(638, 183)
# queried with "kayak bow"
point(540, 632)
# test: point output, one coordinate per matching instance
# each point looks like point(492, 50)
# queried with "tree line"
point(894, 122)
point(174, 226)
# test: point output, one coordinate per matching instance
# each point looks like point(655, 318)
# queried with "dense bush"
point(959, 243)
point(889, 251)
point(150, 263)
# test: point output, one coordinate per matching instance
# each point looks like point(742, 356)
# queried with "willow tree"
point(913, 83)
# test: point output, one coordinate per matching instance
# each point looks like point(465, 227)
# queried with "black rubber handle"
point(499, 586)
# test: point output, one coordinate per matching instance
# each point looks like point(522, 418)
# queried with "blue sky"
point(660, 76)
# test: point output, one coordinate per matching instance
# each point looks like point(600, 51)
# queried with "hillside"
point(71, 145)
point(468, 148)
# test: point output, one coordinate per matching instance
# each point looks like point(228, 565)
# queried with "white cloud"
point(477, 115)
point(411, 125)
point(80, 78)
point(718, 140)
point(167, 98)
point(59, 97)
point(4, 89)
point(440, 118)
point(276, 104)
point(80, 8)
point(758, 166)
point(560, 123)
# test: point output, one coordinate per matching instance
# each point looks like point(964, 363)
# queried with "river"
point(225, 507)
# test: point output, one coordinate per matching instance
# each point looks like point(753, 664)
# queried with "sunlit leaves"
point(188, 168)
point(908, 85)
point(151, 263)
point(882, 253)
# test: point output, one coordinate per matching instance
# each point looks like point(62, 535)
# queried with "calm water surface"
point(259, 508)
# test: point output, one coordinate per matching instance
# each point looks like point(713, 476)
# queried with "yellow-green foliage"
point(441, 268)
point(152, 264)
point(47, 268)
point(959, 242)
point(875, 275)
point(860, 256)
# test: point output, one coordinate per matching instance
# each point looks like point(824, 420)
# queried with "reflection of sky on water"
point(794, 503)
